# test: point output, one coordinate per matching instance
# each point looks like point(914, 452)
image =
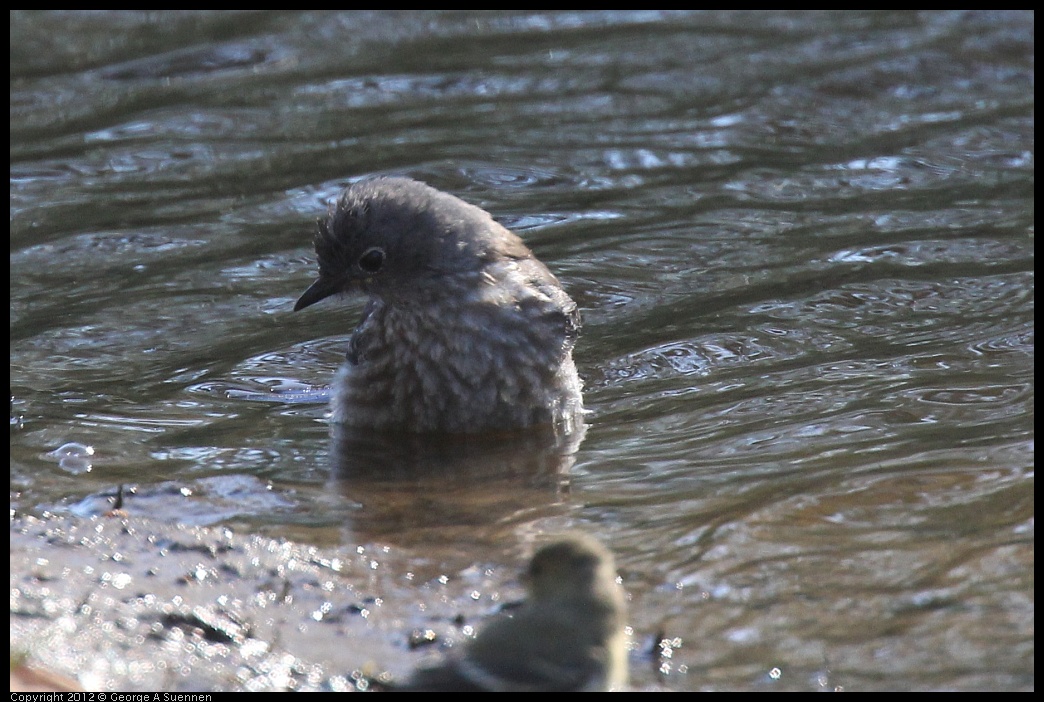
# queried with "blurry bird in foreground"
point(465, 330)
point(569, 634)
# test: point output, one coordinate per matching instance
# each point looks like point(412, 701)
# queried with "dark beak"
point(319, 290)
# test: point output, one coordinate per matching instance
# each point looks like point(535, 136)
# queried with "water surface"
point(803, 248)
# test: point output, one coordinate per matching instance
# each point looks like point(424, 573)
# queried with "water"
point(803, 248)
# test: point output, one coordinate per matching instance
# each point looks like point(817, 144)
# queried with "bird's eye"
point(372, 259)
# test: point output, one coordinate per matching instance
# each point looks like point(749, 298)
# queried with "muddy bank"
point(126, 603)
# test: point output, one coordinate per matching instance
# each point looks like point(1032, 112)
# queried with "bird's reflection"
point(414, 487)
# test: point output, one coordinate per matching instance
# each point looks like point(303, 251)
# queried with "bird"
point(465, 331)
point(568, 635)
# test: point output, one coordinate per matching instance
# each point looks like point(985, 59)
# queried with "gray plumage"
point(568, 635)
point(465, 330)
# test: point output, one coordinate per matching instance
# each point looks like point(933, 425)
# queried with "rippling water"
point(802, 244)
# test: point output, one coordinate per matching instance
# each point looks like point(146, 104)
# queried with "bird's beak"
point(319, 290)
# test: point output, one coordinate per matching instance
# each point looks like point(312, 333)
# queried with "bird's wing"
point(537, 649)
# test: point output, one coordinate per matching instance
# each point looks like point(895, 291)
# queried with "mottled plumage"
point(465, 330)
